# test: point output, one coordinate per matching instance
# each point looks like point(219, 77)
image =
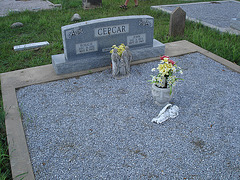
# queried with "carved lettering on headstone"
point(86, 47)
point(136, 39)
point(177, 22)
point(111, 30)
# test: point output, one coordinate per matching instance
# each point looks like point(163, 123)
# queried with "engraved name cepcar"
point(111, 30)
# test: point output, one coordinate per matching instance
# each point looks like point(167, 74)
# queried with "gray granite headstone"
point(90, 4)
point(177, 22)
point(235, 22)
point(87, 44)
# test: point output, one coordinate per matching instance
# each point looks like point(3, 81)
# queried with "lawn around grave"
point(46, 26)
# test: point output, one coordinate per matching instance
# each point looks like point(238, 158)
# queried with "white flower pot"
point(161, 96)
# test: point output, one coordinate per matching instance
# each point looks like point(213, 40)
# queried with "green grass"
point(4, 157)
point(46, 26)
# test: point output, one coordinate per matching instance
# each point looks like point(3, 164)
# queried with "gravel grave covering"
point(216, 13)
point(97, 127)
point(7, 6)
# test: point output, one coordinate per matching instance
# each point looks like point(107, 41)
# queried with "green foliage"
point(46, 26)
point(222, 44)
point(4, 157)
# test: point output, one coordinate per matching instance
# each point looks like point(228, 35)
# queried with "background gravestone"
point(177, 22)
point(90, 4)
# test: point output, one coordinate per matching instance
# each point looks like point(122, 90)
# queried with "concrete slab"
point(19, 156)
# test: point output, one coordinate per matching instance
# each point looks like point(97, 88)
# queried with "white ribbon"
point(169, 111)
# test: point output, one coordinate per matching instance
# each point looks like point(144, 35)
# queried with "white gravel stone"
point(16, 24)
point(76, 17)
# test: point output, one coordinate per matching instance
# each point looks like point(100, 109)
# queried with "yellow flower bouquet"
point(166, 70)
point(120, 49)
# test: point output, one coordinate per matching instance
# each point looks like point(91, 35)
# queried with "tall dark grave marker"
point(177, 22)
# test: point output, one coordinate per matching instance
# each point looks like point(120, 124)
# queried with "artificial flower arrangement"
point(120, 49)
point(166, 70)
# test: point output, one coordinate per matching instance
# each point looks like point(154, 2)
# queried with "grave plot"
point(95, 126)
point(7, 6)
point(113, 133)
point(218, 15)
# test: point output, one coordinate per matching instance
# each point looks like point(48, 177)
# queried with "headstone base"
point(61, 66)
point(235, 24)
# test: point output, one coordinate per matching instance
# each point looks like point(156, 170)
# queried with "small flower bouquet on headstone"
point(119, 48)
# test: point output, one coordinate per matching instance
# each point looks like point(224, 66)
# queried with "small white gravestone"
point(30, 46)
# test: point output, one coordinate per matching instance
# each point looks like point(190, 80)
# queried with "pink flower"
point(171, 61)
point(162, 57)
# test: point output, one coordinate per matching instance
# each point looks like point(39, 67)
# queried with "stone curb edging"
point(10, 81)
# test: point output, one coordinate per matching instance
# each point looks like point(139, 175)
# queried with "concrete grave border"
point(10, 81)
point(221, 29)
